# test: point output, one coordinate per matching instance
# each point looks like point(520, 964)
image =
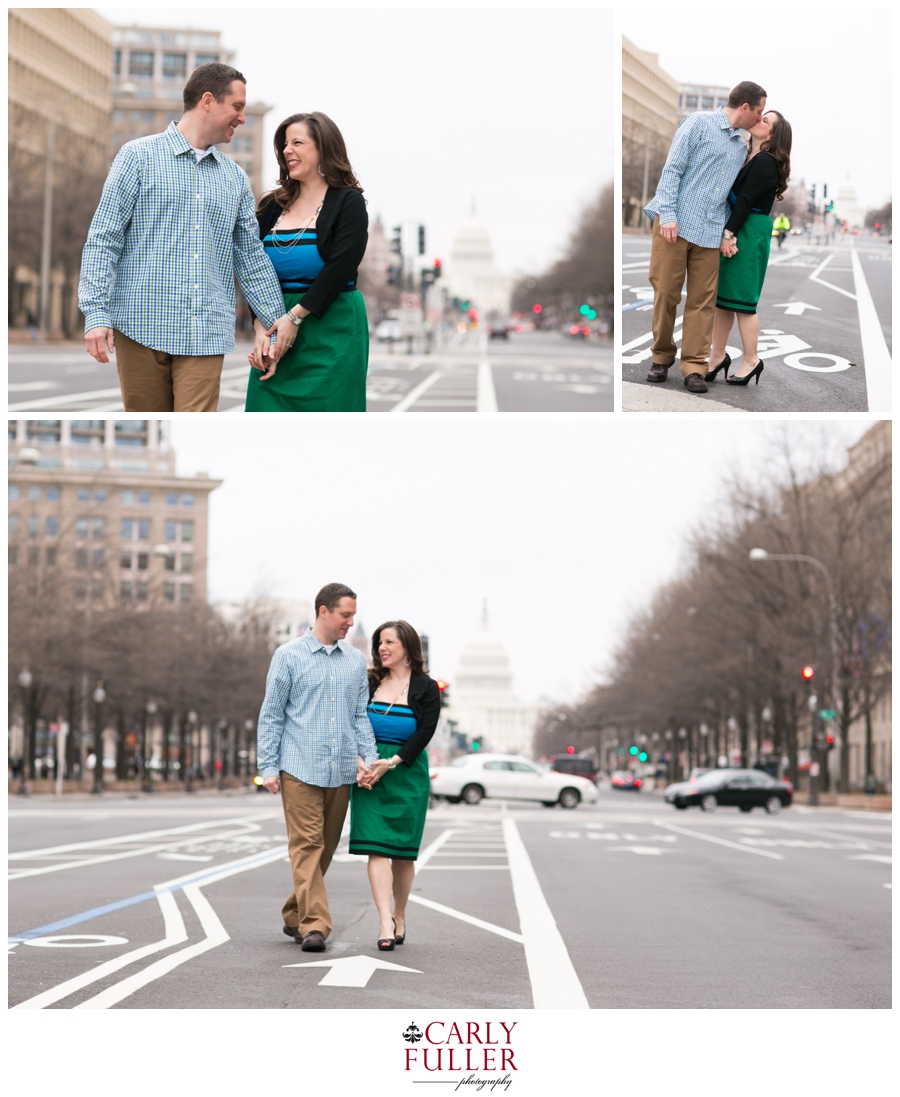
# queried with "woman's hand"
point(260, 358)
point(381, 767)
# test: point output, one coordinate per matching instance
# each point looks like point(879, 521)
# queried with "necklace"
point(293, 243)
point(395, 700)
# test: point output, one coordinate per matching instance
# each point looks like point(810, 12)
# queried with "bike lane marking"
point(877, 359)
point(719, 841)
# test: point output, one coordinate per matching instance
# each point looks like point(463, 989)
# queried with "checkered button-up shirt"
point(165, 245)
point(313, 722)
point(703, 162)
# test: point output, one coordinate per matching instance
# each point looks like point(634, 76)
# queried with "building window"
point(206, 59)
point(15, 494)
point(52, 495)
point(34, 556)
point(187, 531)
point(707, 102)
point(131, 432)
point(98, 528)
point(81, 558)
point(13, 524)
point(171, 531)
point(118, 115)
point(143, 497)
point(84, 496)
point(127, 529)
point(52, 526)
point(690, 102)
point(98, 558)
point(171, 499)
point(140, 63)
point(187, 500)
point(170, 562)
point(100, 496)
point(175, 65)
point(125, 590)
point(169, 592)
point(723, 102)
point(34, 495)
point(140, 590)
point(186, 592)
point(143, 530)
point(143, 561)
point(34, 525)
point(13, 553)
point(125, 561)
point(127, 498)
point(51, 557)
point(117, 65)
point(46, 431)
point(87, 432)
point(187, 561)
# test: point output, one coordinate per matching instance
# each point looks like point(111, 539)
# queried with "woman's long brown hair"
point(333, 158)
point(409, 638)
point(778, 146)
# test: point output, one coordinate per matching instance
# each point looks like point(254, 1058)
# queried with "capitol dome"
point(471, 273)
point(472, 244)
point(484, 670)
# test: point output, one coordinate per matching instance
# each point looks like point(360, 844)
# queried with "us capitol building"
point(482, 702)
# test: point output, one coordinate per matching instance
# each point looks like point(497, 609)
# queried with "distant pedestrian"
point(314, 227)
point(782, 226)
point(762, 180)
point(174, 228)
point(387, 816)
point(689, 211)
point(314, 740)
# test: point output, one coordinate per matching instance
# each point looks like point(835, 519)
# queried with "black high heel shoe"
point(724, 364)
point(755, 372)
point(399, 938)
point(385, 944)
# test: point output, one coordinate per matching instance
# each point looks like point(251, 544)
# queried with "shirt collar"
point(180, 144)
point(315, 644)
point(725, 124)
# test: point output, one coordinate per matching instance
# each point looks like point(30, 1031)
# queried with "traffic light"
point(829, 741)
point(476, 744)
point(444, 688)
point(395, 276)
point(588, 312)
point(570, 750)
point(807, 674)
point(642, 757)
point(464, 305)
point(537, 309)
point(438, 267)
point(421, 239)
point(633, 751)
point(397, 240)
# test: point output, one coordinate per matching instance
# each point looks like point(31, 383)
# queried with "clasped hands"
point(265, 354)
point(366, 776)
point(728, 247)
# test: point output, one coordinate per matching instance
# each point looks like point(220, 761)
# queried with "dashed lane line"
point(720, 841)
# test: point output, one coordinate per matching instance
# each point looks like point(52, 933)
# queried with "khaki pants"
point(669, 263)
point(314, 817)
point(152, 380)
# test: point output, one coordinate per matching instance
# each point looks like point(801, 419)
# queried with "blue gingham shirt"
point(313, 722)
point(702, 164)
point(169, 237)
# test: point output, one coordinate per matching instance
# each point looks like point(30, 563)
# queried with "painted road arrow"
point(795, 308)
point(352, 971)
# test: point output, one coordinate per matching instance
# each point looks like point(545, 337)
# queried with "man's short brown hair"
point(331, 594)
point(746, 92)
point(215, 78)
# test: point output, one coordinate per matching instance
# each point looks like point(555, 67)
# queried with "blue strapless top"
point(394, 726)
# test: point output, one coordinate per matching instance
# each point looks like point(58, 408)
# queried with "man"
point(174, 227)
point(689, 211)
point(782, 226)
point(313, 741)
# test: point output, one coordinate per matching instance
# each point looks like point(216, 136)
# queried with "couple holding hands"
point(332, 734)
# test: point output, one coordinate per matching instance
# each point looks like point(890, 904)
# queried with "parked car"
point(745, 789)
point(474, 777)
point(625, 779)
point(583, 767)
point(387, 331)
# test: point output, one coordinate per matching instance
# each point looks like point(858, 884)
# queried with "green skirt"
point(388, 819)
point(741, 277)
point(325, 369)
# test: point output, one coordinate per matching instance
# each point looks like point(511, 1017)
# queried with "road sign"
point(352, 971)
point(826, 713)
point(410, 301)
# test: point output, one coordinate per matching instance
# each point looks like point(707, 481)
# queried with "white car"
point(473, 777)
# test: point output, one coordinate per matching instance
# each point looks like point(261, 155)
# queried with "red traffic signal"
point(441, 684)
point(438, 267)
point(570, 750)
point(537, 309)
point(808, 673)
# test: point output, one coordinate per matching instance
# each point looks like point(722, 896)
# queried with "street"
point(825, 333)
point(174, 903)
point(534, 371)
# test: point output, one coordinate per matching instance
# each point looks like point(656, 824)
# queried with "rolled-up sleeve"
point(270, 728)
point(685, 141)
point(365, 737)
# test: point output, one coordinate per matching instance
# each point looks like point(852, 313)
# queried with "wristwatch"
point(294, 318)
point(728, 235)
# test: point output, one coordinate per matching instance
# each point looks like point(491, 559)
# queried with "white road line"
point(426, 854)
point(644, 338)
point(459, 868)
point(486, 399)
point(470, 919)
point(720, 841)
point(176, 934)
point(834, 833)
point(814, 277)
point(554, 982)
point(60, 401)
point(410, 398)
point(102, 859)
point(876, 356)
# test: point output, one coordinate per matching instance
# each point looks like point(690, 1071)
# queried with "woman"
point(314, 227)
point(387, 819)
point(762, 180)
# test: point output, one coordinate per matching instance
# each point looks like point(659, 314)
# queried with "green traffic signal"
point(642, 757)
point(476, 745)
point(632, 751)
point(464, 305)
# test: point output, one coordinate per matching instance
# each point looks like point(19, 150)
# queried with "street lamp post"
point(25, 680)
point(99, 696)
point(146, 749)
point(189, 762)
point(47, 227)
point(248, 731)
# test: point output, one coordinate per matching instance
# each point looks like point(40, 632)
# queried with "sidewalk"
point(662, 398)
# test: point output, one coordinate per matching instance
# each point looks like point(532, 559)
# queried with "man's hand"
point(286, 333)
point(669, 231)
point(272, 784)
point(98, 341)
point(728, 247)
point(365, 776)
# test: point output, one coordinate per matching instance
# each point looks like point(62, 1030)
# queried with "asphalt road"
point(534, 371)
point(174, 903)
point(821, 353)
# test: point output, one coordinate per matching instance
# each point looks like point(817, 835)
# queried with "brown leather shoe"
point(292, 931)
point(695, 383)
point(313, 942)
point(659, 372)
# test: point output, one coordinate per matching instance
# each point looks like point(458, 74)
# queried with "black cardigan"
point(755, 188)
point(424, 698)
point(342, 232)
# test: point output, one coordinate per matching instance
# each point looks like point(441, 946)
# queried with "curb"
point(637, 397)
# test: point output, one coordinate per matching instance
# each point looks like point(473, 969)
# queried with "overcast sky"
point(827, 70)
point(512, 107)
point(565, 527)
